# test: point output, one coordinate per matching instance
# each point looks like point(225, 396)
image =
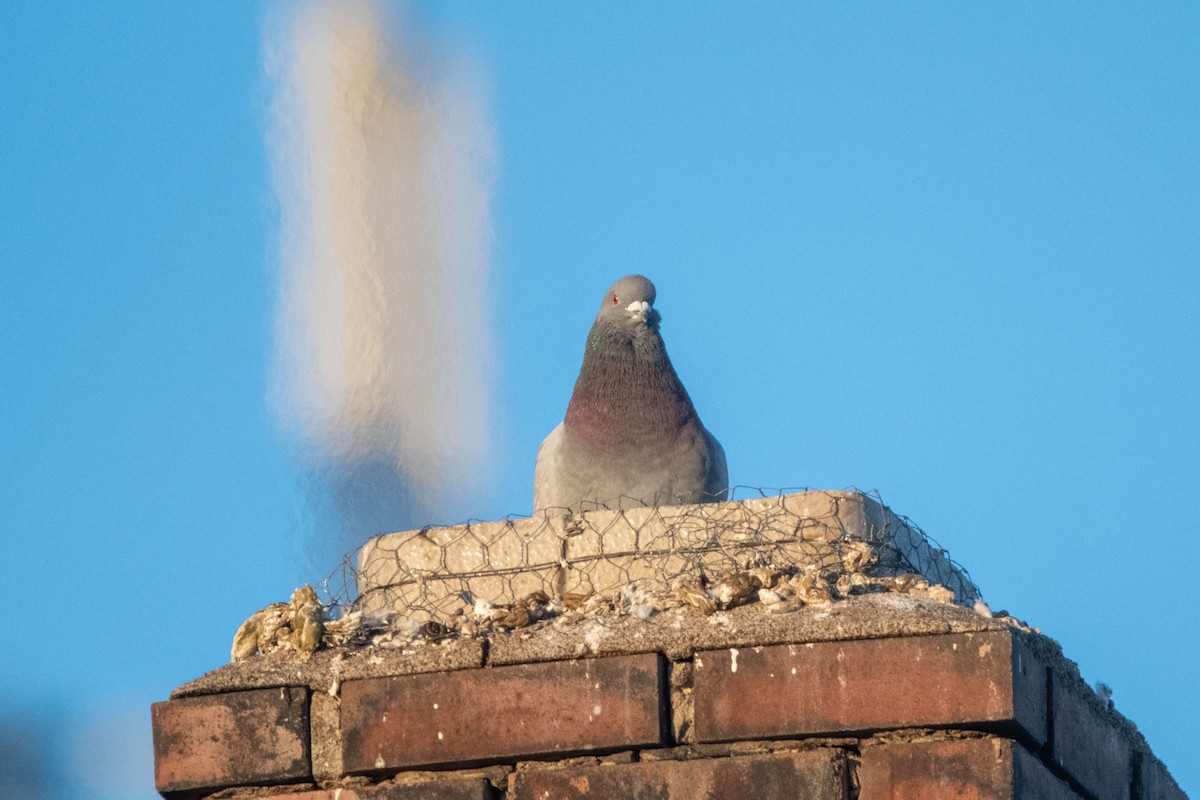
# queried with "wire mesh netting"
point(845, 538)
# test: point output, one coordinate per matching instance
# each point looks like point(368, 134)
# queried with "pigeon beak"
point(639, 310)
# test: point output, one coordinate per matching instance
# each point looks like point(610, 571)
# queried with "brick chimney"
point(614, 677)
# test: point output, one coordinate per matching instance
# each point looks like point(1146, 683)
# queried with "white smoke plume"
point(383, 164)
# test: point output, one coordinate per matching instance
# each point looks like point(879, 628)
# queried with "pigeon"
point(631, 436)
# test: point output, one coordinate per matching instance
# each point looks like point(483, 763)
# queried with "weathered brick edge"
point(966, 680)
point(257, 737)
point(986, 714)
point(981, 767)
point(815, 775)
point(452, 788)
point(494, 714)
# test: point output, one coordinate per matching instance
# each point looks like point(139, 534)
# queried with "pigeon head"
point(629, 303)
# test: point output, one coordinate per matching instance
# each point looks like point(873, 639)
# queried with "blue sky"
point(949, 252)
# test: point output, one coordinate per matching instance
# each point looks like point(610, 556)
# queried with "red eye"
point(615, 301)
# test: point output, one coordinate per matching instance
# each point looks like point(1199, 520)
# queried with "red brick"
point(964, 769)
point(814, 775)
point(500, 713)
point(1087, 743)
point(964, 679)
point(235, 739)
point(1154, 782)
point(441, 789)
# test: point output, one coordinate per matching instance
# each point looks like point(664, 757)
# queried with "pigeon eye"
point(616, 302)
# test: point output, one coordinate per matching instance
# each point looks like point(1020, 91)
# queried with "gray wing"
point(547, 472)
point(716, 481)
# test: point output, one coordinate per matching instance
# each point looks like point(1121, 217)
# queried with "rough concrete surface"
point(679, 633)
point(327, 669)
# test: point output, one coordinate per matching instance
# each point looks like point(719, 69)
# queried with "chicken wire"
point(437, 572)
